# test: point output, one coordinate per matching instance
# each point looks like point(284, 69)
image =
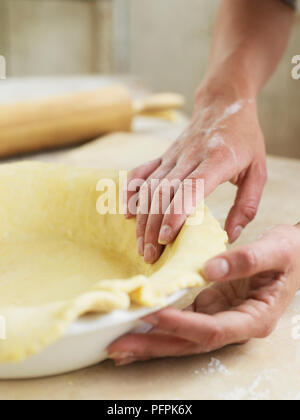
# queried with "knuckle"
point(157, 194)
point(248, 258)
point(266, 317)
point(164, 190)
point(141, 229)
point(167, 165)
point(215, 338)
point(171, 219)
point(288, 242)
point(262, 173)
point(151, 238)
point(190, 157)
point(193, 185)
point(287, 251)
point(141, 221)
point(146, 187)
point(199, 175)
point(267, 329)
point(196, 176)
point(158, 202)
point(160, 194)
point(217, 154)
point(249, 210)
point(222, 153)
point(135, 181)
point(136, 173)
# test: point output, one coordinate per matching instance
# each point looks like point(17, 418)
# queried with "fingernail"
point(236, 233)
point(153, 320)
point(113, 356)
point(121, 356)
point(216, 269)
point(150, 253)
point(125, 362)
point(166, 234)
point(141, 244)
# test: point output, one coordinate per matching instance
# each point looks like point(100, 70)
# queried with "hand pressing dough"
point(60, 259)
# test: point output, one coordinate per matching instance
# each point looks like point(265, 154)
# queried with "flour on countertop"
point(213, 367)
point(297, 398)
point(252, 392)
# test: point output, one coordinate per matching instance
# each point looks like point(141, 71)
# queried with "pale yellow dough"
point(60, 259)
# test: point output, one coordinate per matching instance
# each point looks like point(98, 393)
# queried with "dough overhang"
point(60, 259)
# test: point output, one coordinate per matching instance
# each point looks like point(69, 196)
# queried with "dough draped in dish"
point(60, 259)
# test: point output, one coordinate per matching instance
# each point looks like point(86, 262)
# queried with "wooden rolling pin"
point(36, 125)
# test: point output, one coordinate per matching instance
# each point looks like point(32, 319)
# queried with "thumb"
point(272, 253)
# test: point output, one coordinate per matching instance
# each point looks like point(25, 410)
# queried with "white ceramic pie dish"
point(83, 345)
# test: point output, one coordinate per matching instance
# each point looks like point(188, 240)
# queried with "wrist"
point(230, 79)
point(225, 92)
point(229, 87)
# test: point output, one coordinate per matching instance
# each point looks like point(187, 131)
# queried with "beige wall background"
point(164, 42)
point(45, 37)
point(169, 47)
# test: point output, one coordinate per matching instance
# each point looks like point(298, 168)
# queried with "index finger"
point(185, 335)
point(210, 332)
point(211, 174)
point(138, 174)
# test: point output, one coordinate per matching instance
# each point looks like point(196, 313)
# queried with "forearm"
point(249, 40)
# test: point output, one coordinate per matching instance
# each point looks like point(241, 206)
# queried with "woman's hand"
point(223, 143)
point(253, 285)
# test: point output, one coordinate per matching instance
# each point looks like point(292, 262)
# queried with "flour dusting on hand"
point(229, 112)
point(215, 142)
point(233, 109)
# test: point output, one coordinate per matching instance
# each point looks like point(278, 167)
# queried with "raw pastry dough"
point(60, 259)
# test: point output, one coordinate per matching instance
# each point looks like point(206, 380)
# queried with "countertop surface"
point(261, 369)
